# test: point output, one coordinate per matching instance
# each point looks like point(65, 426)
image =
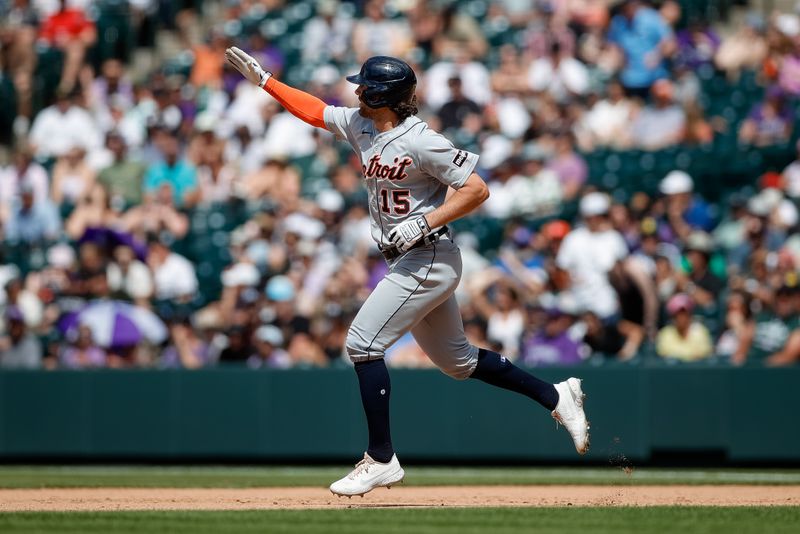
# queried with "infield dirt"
point(109, 499)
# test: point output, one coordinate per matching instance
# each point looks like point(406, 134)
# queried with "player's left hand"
point(409, 232)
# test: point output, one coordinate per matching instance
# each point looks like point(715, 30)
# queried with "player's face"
point(363, 109)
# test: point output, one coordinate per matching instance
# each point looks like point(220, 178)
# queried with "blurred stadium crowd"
point(157, 210)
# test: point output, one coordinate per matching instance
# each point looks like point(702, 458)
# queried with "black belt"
point(392, 252)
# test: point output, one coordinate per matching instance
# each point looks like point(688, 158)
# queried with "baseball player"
point(408, 169)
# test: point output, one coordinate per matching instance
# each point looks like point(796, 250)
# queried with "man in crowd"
point(123, 178)
point(646, 41)
point(32, 222)
point(588, 254)
point(776, 340)
point(21, 349)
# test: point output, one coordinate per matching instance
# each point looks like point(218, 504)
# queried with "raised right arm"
point(302, 105)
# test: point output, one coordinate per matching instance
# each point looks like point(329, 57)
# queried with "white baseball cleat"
point(569, 412)
point(368, 475)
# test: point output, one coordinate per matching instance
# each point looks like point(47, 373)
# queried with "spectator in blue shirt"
point(684, 212)
point(179, 175)
point(32, 222)
point(646, 41)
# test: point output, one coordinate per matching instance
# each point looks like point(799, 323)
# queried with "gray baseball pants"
point(417, 295)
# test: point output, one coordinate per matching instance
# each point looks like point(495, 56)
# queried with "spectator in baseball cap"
point(684, 338)
point(587, 255)
point(684, 211)
point(268, 341)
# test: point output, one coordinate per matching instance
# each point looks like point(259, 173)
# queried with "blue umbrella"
point(116, 324)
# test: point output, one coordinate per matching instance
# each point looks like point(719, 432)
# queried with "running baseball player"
point(408, 169)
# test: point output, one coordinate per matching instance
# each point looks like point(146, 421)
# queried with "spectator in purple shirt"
point(570, 167)
point(697, 46)
point(82, 352)
point(789, 73)
point(186, 350)
point(546, 30)
point(770, 122)
point(552, 344)
point(111, 81)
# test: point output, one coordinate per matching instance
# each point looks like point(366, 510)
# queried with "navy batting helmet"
point(388, 80)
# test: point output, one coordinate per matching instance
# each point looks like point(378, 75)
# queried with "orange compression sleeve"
point(304, 106)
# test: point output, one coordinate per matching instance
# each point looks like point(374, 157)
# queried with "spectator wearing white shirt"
point(501, 197)
point(173, 275)
point(243, 151)
point(503, 313)
point(288, 137)
point(18, 296)
point(607, 123)
point(124, 119)
point(559, 74)
point(791, 176)
point(63, 125)
point(662, 123)
point(73, 177)
point(252, 108)
point(535, 190)
point(376, 35)
point(475, 80)
point(326, 36)
point(128, 277)
point(588, 254)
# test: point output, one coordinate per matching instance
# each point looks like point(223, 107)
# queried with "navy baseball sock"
point(373, 379)
point(498, 371)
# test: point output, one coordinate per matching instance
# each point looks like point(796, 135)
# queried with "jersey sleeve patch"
point(437, 157)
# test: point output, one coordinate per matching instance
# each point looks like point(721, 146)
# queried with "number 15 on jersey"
point(399, 204)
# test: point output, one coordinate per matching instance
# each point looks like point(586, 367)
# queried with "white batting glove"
point(409, 232)
point(247, 65)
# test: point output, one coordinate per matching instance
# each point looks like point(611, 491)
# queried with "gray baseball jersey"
point(408, 170)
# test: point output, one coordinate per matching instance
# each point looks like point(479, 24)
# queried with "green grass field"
point(258, 476)
point(433, 520)
point(419, 521)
